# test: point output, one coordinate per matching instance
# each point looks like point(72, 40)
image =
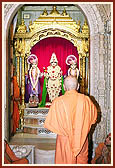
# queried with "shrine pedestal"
point(34, 119)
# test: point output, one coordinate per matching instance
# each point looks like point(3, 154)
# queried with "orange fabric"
point(19, 161)
point(6, 161)
point(63, 153)
point(98, 154)
point(10, 153)
point(13, 157)
point(16, 95)
point(72, 115)
point(16, 88)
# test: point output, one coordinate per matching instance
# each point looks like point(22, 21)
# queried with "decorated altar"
point(51, 34)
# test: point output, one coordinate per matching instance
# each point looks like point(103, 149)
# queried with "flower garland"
point(37, 76)
point(54, 73)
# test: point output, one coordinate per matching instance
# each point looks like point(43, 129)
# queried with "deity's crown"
point(32, 59)
point(71, 59)
point(53, 58)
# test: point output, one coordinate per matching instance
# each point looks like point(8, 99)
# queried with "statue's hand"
point(65, 76)
point(46, 75)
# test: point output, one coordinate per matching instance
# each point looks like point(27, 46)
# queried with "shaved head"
point(70, 83)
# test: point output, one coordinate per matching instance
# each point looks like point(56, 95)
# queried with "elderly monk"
point(70, 116)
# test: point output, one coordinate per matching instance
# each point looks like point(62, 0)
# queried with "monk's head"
point(70, 83)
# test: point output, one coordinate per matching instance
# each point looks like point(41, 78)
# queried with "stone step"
point(38, 130)
point(33, 126)
point(32, 120)
point(36, 111)
point(30, 130)
point(33, 116)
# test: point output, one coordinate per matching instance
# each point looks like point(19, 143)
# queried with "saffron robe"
point(106, 159)
point(71, 116)
point(10, 157)
point(16, 97)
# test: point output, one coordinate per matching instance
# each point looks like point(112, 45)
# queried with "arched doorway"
point(56, 31)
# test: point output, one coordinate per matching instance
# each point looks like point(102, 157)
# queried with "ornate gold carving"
point(30, 25)
point(27, 47)
point(18, 68)
point(55, 21)
point(17, 53)
point(85, 28)
point(54, 11)
point(64, 12)
point(26, 65)
point(78, 26)
point(22, 28)
point(83, 47)
point(19, 45)
point(21, 117)
point(45, 13)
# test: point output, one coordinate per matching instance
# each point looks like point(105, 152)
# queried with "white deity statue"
point(72, 62)
point(53, 76)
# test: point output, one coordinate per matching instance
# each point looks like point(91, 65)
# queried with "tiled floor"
point(40, 142)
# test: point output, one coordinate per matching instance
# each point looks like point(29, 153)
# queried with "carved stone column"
point(81, 72)
point(87, 75)
point(108, 73)
point(84, 74)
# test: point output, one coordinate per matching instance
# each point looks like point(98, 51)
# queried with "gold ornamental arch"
point(52, 25)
